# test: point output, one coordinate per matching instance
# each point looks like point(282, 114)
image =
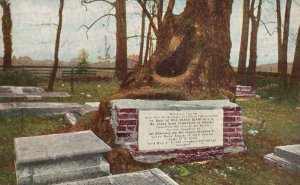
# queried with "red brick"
point(229, 129)
point(236, 124)
point(232, 134)
point(238, 109)
point(229, 119)
point(127, 122)
point(121, 128)
point(131, 128)
point(233, 113)
point(120, 135)
point(127, 110)
point(127, 116)
point(229, 108)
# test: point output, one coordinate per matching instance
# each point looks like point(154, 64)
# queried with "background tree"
point(142, 38)
point(285, 39)
point(255, 20)
point(57, 41)
point(121, 34)
point(283, 42)
point(83, 62)
point(192, 52)
point(244, 38)
point(295, 76)
point(6, 30)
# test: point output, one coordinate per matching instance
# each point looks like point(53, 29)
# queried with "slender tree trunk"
point(121, 34)
point(57, 41)
point(244, 38)
point(147, 44)
point(142, 39)
point(286, 39)
point(251, 70)
point(295, 76)
point(192, 52)
point(279, 37)
point(6, 30)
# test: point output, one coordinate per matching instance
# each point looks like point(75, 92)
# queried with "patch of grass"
point(93, 91)
point(20, 126)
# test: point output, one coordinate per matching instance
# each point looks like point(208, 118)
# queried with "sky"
point(34, 30)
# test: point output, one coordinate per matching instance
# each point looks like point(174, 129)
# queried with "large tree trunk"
point(56, 51)
point(285, 39)
point(279, 37)
point(121, 34)
point(6, 30)
point(244, 38)
point(192, 52)
point(251, 70)
point(295, 77)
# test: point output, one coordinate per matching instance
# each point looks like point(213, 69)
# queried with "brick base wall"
point(126, 130)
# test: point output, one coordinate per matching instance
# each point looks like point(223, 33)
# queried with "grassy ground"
point(280, 125)
point(93, 91)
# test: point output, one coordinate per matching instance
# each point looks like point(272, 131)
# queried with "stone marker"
point(44, 108)
point(146, 177)
point(287, 156)
point(24, 93)
point(73, 116)
point(60, 158)
point(245, 92)
point(181, 131)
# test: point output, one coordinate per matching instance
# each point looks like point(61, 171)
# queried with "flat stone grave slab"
point(287, 156)
point(23, 93)
point(60, 158)
point(41, 108)
point(146, 177)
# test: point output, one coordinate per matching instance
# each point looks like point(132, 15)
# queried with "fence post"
point(72, 89)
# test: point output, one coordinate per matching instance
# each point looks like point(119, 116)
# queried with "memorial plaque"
point(167, 130)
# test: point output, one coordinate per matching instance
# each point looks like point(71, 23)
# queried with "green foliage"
point(83, 62)
point(275, 89)
point(19, 78)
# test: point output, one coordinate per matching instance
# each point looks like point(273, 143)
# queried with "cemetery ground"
point(277, 123)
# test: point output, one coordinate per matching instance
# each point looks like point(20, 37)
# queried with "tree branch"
point(89, 27)
point(142, 4)
point(266, 27)
point(296, 2)
point(91, 1)
point(170, 8)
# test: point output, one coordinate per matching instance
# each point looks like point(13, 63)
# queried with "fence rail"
point(66, 71)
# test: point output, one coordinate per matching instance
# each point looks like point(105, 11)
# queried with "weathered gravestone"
point(181, 131)
point(60, 158)
point(146, 177)
point(287, 156)
point(245, 92)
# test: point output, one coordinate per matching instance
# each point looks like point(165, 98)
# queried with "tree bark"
point(244, 38)
point(295, 76)
point(6, 30)
point(160, 4)
point(56, 51)
point(286, 39)
point(142, 38)
point(192, 52)
point(121, 34)
point(251, 70)
point(147, 44)
point(279, 37)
